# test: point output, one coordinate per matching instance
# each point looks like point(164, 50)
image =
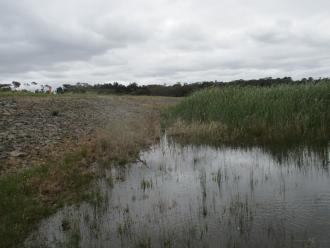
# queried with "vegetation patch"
point(31, 194)
point(28, 195)
point(252, 114)
point(122, 142)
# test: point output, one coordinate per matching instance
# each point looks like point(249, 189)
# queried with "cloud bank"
point(162, 41)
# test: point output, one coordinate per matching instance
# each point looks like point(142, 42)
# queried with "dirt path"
point(35, 129)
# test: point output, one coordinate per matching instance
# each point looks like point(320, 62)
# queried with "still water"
point(201, 196)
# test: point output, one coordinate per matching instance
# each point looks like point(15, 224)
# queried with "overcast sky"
point(162, 41)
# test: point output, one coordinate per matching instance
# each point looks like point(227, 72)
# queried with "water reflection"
point(199, 196)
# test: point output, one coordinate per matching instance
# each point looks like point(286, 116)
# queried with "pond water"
point(201, 196)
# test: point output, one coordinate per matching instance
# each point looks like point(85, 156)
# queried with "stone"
point(16, 154)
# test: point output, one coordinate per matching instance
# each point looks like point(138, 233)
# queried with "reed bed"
point(254, 114)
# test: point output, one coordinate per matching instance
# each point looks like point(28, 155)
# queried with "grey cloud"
point(30, 42)
point(310, 34)
point(162, 41)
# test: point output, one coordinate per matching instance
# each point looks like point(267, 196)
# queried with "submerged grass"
point(28, 195)
point(285, 113)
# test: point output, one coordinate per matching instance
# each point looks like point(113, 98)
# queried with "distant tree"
point(132, 88)
point(82, 84)
point(5, 87)
point(16, 84)
point(178, 89)
point(67, 87)
point(59, 90)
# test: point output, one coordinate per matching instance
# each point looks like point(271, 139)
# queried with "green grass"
point(18, 206)
point(253, 114)
point(29, 195)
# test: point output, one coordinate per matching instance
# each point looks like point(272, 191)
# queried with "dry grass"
point(122, 142)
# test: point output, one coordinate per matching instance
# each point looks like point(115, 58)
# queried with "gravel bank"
point(35, 129)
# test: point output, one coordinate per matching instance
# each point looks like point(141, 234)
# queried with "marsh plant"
point(146, 184)
point(283, 113)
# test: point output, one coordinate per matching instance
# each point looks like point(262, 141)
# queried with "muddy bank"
point(36, 129)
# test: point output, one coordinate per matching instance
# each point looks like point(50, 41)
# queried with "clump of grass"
point(95, 198)
point(146, 184)
point(55, 113)
point(144, 243)
point(66, 225)
point(110, 181)
point(254, 114)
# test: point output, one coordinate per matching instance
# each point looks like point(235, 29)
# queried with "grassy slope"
point(253, 114)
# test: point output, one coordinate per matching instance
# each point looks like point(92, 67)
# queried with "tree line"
point(176, 90)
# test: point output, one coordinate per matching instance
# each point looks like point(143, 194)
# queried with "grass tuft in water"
point(144, 243)
point(146, 184)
